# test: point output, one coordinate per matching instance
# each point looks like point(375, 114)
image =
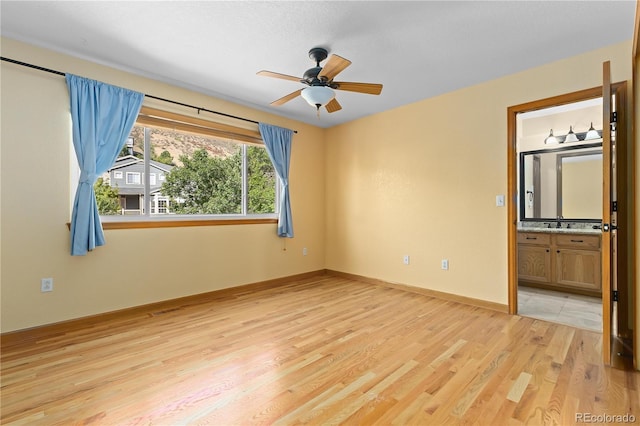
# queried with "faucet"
point(559, 224)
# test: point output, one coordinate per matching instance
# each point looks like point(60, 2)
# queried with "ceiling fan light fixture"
point(318, 96)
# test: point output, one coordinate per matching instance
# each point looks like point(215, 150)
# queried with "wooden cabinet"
point(534, 257)
point(567, 262)
point(577, 261)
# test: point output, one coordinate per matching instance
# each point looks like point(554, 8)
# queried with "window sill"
point(136, 224)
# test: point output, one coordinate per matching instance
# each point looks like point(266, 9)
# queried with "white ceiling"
point(416, 49)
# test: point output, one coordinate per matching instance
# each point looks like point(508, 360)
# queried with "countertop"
point(561, 230)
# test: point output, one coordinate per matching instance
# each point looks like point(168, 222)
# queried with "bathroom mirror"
point(564, 182)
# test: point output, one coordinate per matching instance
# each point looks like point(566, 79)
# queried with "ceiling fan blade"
point(278, 75)
point(333, 106)
point(333, 67)
point(368, 88)
point(286, 98)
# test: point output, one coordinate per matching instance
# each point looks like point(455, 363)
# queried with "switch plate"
point(405, 259)
point(304, 251)
point(46, 285)
point(445, 264)
point(499, 200)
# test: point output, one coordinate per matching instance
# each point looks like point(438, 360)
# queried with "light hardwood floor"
point(322, 350)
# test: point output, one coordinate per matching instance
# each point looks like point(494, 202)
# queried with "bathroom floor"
point(564, 308)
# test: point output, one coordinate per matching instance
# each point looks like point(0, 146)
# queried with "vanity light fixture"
point(592, 134)
point(571, 137)
point(551, 140)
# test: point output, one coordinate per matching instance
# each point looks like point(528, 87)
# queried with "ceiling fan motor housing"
point(310, 77)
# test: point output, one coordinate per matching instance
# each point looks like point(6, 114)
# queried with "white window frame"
point(189, 220)
point(139, 180)
point(117, 174)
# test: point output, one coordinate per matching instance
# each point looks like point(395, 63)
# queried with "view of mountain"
point(178, 143)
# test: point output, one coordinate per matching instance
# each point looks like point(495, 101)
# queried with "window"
point(193, 172)
point(133, 178)
point(162, 206)
point(117, 175)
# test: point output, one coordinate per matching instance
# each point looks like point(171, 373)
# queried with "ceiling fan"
point(320, 82)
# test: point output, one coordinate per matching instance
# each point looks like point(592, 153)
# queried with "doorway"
point(560, 174)
point(547, 255)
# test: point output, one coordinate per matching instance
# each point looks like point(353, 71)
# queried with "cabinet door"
point(578, 268)
point(534, 263)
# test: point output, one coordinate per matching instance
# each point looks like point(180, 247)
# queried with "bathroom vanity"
point(560, 203)
point(560, 259)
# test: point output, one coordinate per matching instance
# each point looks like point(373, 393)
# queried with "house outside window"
point(193, 175)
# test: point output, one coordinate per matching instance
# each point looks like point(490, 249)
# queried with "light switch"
point(499, 200)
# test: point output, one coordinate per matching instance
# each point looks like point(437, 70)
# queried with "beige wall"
point(422, 180)
point(534, 130)
point(136, 266)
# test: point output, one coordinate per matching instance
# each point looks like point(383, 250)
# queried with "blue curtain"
point(278, 143)
point(103, 117)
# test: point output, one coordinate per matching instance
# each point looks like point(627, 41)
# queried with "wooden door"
point(606, 264)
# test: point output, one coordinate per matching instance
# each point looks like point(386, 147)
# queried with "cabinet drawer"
point(534, 238)
point(578, 241)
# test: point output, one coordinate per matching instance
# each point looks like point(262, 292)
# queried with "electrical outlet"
point(445, 264)
point(46, 284)
point(304, 251)
point(405, 259)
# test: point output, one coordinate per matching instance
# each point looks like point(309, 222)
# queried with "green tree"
point(124, 151)
point(165, 157)
point(261, 181)
point(106, 197)
point(205, 184)
point(213, 185)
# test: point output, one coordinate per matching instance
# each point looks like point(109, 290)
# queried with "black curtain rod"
point(49, 70)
